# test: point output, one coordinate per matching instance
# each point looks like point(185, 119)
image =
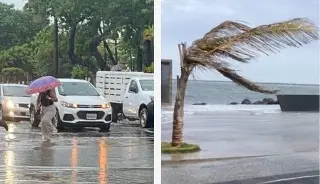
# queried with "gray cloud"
point(187, 20)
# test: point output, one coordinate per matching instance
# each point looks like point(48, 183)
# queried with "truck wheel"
point(143, 118)
point(34, 117)
point(105, 127)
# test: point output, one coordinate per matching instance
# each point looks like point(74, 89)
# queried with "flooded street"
point(123, 155)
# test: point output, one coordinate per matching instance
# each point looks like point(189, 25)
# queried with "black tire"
point(1, 112)
point(144, 118)
point(34, 117)
point(150, 108)
point(60, 123)
point(105, 127)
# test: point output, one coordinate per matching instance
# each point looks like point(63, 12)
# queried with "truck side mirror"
point(133, 89)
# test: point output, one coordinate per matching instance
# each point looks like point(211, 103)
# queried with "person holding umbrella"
point(47, 96)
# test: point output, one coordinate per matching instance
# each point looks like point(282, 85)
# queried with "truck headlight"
point(105, 106)
point(68, 105)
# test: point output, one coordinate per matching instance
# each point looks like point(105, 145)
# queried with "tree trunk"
point(106, 46)
point(178, 112)
point(116, 50)
point(71, 46)
point(95, 52)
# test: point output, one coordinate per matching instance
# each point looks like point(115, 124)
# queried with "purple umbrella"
point(42, 84)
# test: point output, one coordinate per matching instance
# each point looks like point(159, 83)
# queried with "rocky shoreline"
point(265, 101)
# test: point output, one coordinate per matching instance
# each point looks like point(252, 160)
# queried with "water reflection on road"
point(119, 156)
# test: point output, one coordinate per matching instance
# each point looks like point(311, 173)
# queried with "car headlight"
point(10, 104)
point(152, 98)
point(105, 106)
point(68, 105)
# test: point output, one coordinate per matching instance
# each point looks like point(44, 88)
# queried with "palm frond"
point(232, 40)
point(265, 39)
point(236, 78)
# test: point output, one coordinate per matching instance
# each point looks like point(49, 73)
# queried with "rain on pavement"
point(123, 155)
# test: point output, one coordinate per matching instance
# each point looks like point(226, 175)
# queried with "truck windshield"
point(77, 89)
point(16, 91)
point(147, 85)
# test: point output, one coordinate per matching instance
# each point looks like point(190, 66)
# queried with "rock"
point(269, 101)
point(233, 103)
point(202, 103)
point(259, 102)
point(246, 101)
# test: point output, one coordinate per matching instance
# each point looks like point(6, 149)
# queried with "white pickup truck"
point(79, 105)
point(130, 94)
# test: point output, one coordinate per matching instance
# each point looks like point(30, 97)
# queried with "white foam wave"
point(202, 109)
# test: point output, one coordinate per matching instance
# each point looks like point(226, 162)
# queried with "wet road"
point(244, 171)
point(285, 143)
point(123, 155)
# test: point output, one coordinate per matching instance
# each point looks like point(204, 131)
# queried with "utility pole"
point(55, 48)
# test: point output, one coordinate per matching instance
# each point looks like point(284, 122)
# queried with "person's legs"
point(47, 127)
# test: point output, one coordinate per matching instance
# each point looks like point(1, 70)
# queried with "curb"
point(203, 160)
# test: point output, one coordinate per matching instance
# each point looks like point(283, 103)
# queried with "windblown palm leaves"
point(232, 40)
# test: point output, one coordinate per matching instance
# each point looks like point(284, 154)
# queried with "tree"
point(239, 42)
point(17, 26)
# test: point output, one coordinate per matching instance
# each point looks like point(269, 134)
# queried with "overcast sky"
point(187, 20)
point(17, 3)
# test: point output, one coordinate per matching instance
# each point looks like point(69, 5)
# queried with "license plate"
point(91, 116)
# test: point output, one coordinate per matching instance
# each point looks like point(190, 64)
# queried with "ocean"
point(213, 92)
point(217, 95)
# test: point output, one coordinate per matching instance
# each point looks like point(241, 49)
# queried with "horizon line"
point(255, 82)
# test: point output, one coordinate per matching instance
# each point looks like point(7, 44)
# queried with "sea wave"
point(203, 109)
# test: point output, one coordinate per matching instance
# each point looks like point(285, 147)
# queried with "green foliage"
point(149, 69)
point(12, 71)
point(17, 27)
point(183, 148)
point(79, 72)
point(93, 35)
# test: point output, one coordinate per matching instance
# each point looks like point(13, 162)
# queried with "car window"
point(133, 84)
point(77, 89)
point(16, 91)
point(147, 85)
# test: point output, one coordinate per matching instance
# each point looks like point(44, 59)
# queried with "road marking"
point(129, 137)
point(287, 179)
point(43, 168)
point(38, 181)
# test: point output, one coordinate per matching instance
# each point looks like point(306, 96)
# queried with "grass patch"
point(184, 148)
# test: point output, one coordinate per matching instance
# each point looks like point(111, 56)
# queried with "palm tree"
point(239, 42)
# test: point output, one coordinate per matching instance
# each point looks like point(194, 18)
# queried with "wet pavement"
point(240, 170)
point(123, 155)
point(284, 143)
point(246, 133)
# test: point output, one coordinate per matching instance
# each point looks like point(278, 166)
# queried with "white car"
point(14, 104)
point(79, 105)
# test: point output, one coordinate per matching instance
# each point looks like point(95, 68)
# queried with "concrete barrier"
point(306, 103)
point(166, 81)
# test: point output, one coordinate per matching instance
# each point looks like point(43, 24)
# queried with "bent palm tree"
point(233, 40)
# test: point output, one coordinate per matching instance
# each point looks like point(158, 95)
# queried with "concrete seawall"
point(307, 103)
